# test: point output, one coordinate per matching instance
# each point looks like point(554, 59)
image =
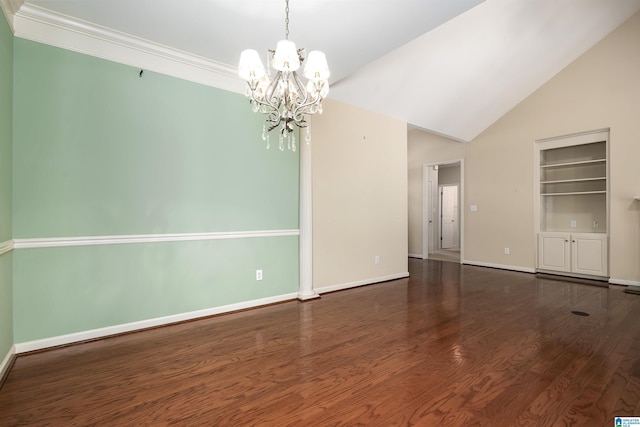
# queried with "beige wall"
point(448, 175)
point(601, 89)
point(359, 162)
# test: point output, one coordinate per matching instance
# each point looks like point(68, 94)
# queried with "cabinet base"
point(593, 281)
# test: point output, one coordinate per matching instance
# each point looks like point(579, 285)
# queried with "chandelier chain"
point(286, 19)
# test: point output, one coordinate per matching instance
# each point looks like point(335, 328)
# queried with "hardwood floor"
point(450, 255)
point(450, 346)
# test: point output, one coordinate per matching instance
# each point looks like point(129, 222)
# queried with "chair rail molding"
point(6, 247)
point(54, 242)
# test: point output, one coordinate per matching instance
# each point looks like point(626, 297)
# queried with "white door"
point(449, 216)
point(589, 253)
point(430, 217)
point(554, 251)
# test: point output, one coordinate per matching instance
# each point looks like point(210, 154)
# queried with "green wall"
point(99, 150)
point(73, 289)
point(6, 138)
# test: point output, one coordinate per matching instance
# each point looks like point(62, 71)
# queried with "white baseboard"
point(419, 256)
point(144, 324)
point(500, 266)
point(6, 362)
point(623, 282)
point(343, 286)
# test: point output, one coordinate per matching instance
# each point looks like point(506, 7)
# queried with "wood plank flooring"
point(451, 255)
point(450, 346)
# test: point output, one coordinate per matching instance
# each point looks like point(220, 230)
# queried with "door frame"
point(426, 205)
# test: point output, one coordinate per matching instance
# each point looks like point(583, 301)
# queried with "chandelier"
point(285, 99)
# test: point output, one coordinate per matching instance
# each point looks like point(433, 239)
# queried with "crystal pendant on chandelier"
point(283, 98)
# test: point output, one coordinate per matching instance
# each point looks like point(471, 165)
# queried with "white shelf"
point(573, 193)
point(599, 178)
point(582, 162)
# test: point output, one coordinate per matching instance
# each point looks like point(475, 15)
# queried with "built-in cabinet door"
point(554, 252)
point(589, 254)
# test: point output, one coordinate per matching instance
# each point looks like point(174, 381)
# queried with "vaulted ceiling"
point(452, 67)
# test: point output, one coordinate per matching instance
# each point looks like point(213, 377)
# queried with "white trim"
point(6, 247)
point(579, 138)
point(419, 256)
point(145, 324)
point(6, 362)
point(45, 26)
point(500, 266)
point(56, 242)
point(371, 281)
point(305, 289)
point(426, 203)
point(10, 7)
point(624, 282)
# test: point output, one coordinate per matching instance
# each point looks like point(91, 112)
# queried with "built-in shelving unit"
point(561, 175)
point(572, 203)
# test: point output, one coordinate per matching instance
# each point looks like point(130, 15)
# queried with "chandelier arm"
point(296, 114)
point(272, 113)
point(273, 109)
point(270, 92)
point(301, 88)
point(265, 100)
point(314, 101)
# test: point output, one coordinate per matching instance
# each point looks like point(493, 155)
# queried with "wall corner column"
point(306, 291)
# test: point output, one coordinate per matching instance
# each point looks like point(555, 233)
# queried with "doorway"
point(442, 216)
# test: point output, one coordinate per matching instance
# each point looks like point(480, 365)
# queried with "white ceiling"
point(449, 66)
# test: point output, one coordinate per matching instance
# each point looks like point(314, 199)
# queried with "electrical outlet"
point(574, 223)
point(507, 251)
point(377, 259)
point(596, 224)
point(258, 274)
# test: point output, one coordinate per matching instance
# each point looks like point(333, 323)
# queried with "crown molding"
point(45, 26)
point(10, 7)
